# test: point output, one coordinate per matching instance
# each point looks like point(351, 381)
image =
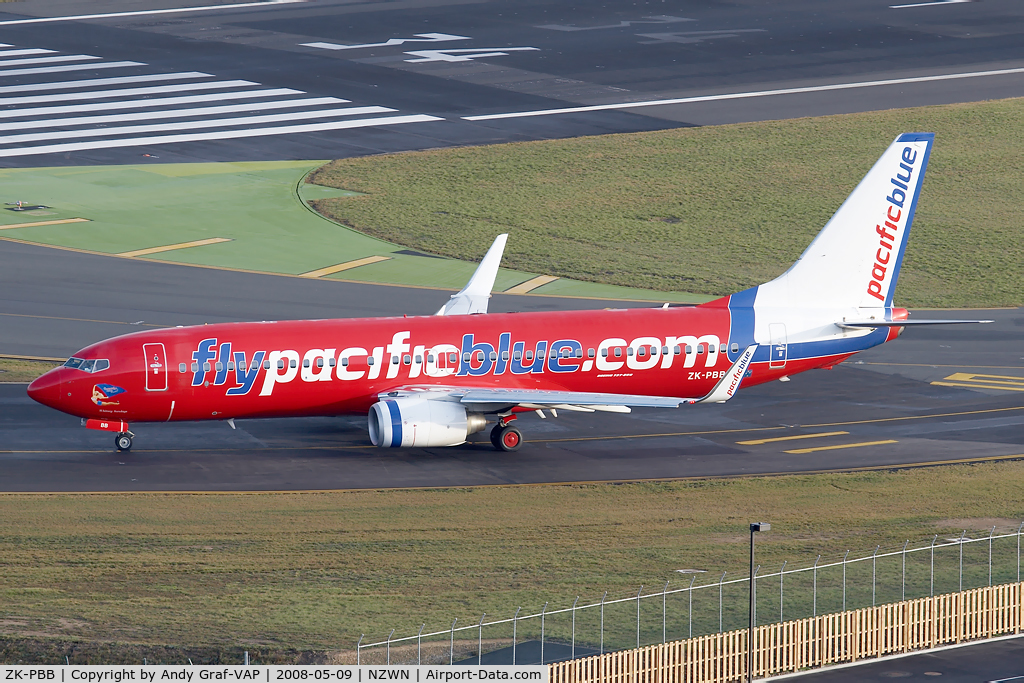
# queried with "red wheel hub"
point(510, 439)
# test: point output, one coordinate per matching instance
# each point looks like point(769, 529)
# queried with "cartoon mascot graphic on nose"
point(102, 393)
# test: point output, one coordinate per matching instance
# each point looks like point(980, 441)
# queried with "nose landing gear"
point(123, 441)
point(505, 437)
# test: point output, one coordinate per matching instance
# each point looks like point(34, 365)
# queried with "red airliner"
point(433, 380)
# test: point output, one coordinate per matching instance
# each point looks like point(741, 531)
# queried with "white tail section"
point(855, 260)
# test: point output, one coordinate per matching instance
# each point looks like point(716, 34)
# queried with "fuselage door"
point(777, 331)
point(156, 367)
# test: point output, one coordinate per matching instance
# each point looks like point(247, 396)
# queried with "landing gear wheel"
point(123, 441)
point(509, 439)
point(496, 436)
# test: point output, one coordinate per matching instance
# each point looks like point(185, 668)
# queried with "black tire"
point(510, 439)
point(123, 442)
point(496, 437)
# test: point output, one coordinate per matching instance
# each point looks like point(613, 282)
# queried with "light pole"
point(754, 528)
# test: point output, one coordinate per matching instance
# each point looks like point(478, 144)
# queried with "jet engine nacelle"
point(418, 422)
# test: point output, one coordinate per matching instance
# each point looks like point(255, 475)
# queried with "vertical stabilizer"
point(855, 260)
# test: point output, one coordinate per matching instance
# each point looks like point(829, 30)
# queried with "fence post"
point(874, 556)
point(515, 623)
point(451, 651)
point(480, 640)
point(961, 542)
point(782, 573)
point(573, 627)
point(543, 611)
point(1018, 550)
point(689, 609)
point(990, 556)
point(931, 581)
point(637, 615)
point(720, 598)
point(664, 612)
point(903, 585)
point(359, 647)
point(815, 598)
point(419, 642)
point(844, 579)
point(389, 645)
point(602, 620)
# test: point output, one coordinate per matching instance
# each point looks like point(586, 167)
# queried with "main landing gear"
point(505, 437)
point(123, 441)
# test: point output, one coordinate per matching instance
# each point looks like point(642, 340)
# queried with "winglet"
point(473, 297)
point(730, 384)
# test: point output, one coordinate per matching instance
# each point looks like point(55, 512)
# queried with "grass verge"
point(709, 210)
point(312, 571)
point(12, 370)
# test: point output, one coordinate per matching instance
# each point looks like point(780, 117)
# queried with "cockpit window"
point(87, 365)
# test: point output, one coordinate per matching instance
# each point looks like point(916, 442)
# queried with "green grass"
point(708, 210)
point(312, 571)
point(12, 370)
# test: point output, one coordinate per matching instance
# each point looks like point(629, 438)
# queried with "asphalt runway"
point(876, 411)
point(339, 78)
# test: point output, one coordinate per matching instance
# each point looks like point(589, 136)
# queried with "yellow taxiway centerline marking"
point(844, 445)
point(60, 221)
point(348, 265)
point(174, 247)
point(10, 356)
point(758, 442)
point(531, 284)
point(80, 320)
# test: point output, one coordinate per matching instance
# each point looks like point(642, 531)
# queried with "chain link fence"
point(705, 605)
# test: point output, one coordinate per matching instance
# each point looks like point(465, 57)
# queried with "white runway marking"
point(928, 4)
point(742, 95)
point(171, 113)
point(93, 82)
point(420, 38)
point(161, 119)
point(137, 13)
point(123, 92)
point(159, 102)
point(220, 135)
point(45, 60)
point(18, 53)
point(191, 125)
point(69, 67)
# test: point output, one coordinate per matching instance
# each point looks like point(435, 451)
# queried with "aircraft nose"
point(46, 389)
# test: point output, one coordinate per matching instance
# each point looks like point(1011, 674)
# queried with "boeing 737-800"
point(433, 380)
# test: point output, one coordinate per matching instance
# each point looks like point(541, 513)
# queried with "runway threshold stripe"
point(60, 221)
point(191, 125)
point(348, 265)
point(46, 60)
point(743, 95)
point(172, 113)
point(174, 247)
point(758, 442)
point(158, 102)
point(220, 135)
point(531, 284)
point(93, 82)
point(27, 51)
point(840, 446)
point(123, 92)
point(69, 67)
point(137, 13)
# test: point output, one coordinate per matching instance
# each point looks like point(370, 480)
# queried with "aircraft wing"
point(860, 324)
point(473, 297)
point(493, 399)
